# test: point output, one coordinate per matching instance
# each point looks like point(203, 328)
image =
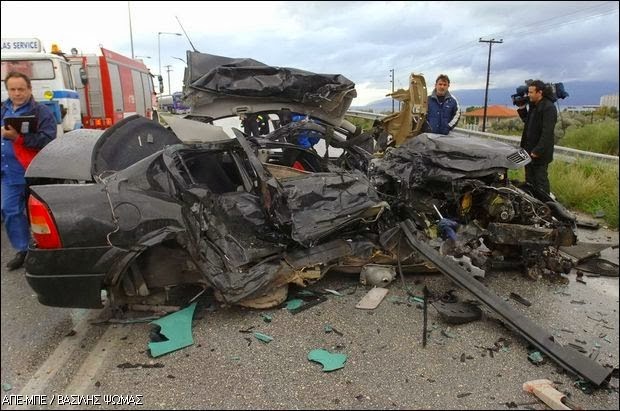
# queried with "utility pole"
point(168, 71)
point(392, 81)
point(486, 90)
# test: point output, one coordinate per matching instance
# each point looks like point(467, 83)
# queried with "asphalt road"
point(57, 352)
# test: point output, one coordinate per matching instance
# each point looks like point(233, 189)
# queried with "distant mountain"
point(580, 93)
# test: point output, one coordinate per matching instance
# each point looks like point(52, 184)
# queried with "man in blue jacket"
point(18, 149)
point(443, 108)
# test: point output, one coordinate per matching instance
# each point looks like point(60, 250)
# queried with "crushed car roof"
point(218, 86)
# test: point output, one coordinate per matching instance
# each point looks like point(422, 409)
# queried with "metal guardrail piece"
point(567, 358)
point(562, 153)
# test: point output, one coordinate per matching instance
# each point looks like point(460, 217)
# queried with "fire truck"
point(50, 75)
point(83, 90)
point(111, 87)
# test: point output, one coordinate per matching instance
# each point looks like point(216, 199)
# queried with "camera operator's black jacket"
point(538, 134)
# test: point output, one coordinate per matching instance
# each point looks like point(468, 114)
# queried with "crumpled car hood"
point(217, 86)
point(433, 157)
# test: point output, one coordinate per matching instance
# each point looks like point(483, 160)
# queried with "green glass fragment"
point(177, 328)
point(294, 304)
point(263, 337)
point(329, 360)
point(535, 357)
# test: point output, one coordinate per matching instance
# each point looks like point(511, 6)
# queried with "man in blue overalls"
point(18, 149)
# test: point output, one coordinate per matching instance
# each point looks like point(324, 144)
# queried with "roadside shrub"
point(363, 123)
point(600, 137)
point(587, 186)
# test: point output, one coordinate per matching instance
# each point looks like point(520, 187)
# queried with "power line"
point(542, 25)
point(524, 30)
point(549, 21)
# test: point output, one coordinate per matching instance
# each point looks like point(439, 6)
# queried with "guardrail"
point(561, 153)
point(365, 114)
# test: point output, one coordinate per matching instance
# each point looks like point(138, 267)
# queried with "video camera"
point(553, 91)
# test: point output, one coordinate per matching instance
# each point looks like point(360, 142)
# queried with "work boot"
point(17, 261)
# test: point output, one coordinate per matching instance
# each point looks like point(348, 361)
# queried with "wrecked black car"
point(145, 212)
point(153, 215)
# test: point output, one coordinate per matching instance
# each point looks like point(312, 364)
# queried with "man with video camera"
point(539, 117)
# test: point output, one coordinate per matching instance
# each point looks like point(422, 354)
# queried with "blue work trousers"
point(14, 215)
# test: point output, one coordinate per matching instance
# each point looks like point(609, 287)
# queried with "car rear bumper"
point(70, 278)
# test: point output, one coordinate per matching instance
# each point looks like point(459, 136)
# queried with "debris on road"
point(247, 330)
point(584, 251)
point(372, 299)
point(308, 300)
point(330, 361)
point(535, 357)
point(177, 329)
point(126, 365)
point(377, 274)
point(599, 266)
point(328, 329)
point(425, 307)
point(447, 333)
point(457, 312)
point(547, 393)
point(263, 337)
point(520, 299)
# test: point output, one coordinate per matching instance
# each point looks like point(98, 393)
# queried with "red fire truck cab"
point(112, 87)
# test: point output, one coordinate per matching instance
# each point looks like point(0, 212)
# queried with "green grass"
point(586, 186)
point(363, 123)
point(601, 137)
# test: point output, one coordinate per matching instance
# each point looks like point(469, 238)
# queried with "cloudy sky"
point(555, 41)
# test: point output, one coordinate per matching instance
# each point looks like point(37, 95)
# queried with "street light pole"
point(159, 33)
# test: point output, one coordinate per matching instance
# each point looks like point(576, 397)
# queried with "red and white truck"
point(83, 90)
point(50, 76)
point(111, 87)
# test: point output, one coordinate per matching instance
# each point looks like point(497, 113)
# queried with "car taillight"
point(42, 225)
